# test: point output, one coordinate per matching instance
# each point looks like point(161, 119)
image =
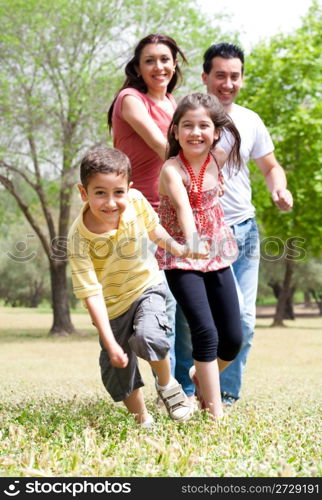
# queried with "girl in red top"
point(190, 185)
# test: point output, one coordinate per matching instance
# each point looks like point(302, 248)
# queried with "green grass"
point(57, 420)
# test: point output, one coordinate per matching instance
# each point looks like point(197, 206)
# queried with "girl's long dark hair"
point(137, 82)
point(220, 119)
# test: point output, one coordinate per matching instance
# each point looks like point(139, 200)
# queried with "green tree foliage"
point(24, 279)
point(283, 84)
point(61, 63)
point(309, 280)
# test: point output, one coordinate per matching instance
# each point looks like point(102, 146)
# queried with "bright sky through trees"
point(258, 19)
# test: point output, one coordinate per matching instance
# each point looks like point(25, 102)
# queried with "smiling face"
point(196, 132)
point(107, 196)
point(224, 80)
point(156, 66)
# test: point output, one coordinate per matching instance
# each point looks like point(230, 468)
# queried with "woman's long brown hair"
point(134, 81)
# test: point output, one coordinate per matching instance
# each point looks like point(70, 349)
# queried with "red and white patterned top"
point(223, 246)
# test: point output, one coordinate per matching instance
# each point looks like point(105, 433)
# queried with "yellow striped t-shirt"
point(120, 263)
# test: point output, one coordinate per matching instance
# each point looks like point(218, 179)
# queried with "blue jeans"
point(245, 270)
point(171, 307)
point(183, 353)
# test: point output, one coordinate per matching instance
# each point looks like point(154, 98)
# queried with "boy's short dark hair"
point(105, 160)
point(224, 50)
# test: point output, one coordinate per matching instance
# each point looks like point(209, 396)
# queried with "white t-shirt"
point(255, 143)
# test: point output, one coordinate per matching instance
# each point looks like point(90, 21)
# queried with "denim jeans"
point(245, 270)
point(183, 353)
point(171, 307)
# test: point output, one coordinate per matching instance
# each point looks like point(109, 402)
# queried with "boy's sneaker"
point(159, 403)
point(195, 381)
point(148, 423)
point(175, 401)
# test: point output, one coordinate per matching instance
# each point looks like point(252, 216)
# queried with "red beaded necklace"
point(195, 192)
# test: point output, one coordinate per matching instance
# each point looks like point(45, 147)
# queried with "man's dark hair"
point(224, 50)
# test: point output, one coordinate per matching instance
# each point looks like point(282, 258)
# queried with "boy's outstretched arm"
point(163, 239)
point(98, 312)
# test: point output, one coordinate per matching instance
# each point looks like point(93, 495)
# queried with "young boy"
point(116, 274)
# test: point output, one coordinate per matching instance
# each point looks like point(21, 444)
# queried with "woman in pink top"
point(143, 108)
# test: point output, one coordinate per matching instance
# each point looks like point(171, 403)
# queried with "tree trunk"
point(307, 299)
point(36, 294)
point(284, 294)
point(288, 312)
point(289, 309)
point(319, 303)
point(318, 299)
point(62, 324)
point(276, 287)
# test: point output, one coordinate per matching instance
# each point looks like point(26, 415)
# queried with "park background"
point(60, 67)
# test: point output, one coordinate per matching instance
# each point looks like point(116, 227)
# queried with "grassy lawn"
point(57, 420)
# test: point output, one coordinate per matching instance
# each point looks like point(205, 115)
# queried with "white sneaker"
point(148, 423)
point(175, 401)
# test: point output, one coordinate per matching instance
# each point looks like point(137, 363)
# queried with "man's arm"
point(275, 181)
point(98, 312)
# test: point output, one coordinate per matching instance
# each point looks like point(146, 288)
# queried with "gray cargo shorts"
point(142, 332)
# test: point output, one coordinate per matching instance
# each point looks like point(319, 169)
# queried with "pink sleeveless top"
point(146, 164)
point(223, 246)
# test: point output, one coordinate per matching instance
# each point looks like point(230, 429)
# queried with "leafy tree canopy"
point(61, 63)
point(283, 84)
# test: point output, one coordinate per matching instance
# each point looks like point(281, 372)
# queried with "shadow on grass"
point(289, 327)
point(299, 310)
point(28, 334)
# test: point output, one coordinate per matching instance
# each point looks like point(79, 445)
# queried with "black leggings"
point(209, 301)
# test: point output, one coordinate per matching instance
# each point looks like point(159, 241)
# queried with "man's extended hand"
point(283, 199)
